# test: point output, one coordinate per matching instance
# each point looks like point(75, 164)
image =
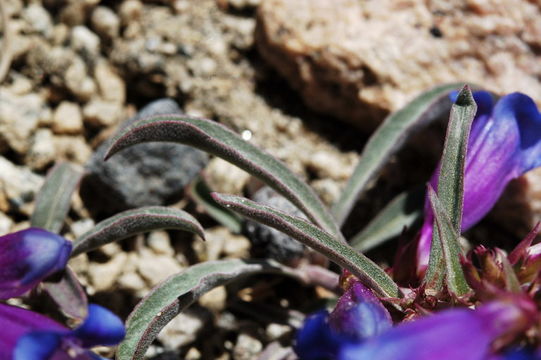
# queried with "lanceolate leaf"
point(316, 238)
point(69, 295)
point(387, 139)
point(403, 211)
point(447, 237)
point(216, 139)
point(451, 188)
point(200, 193)
point(132, 222)
point(53, 200)
point(175, 294)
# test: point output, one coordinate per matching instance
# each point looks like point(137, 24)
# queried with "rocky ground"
point(77, 69)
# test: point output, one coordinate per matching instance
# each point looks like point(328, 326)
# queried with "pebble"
point(67, 119)
point(160, 243)
point(247, 347)
point(105, 22)
point(18, 187)
point(224, 177)
point(42, 150)
point(156, 268)
point(183, 329)
point(110, 85)
point(5, 224)
point(101, 113)
point(19, 118)
point(130, 10)
point(85, 41)
point(72, 148)
point(78, 82)
point(214, 299)
point(103, 276)
point(39, 19)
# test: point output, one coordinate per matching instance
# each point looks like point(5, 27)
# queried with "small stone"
point(214, 299)
point(85, 41)
point(160, 243)
point(156, 268)
point(247, 347)
point(5, 224)
point(105, 22)
point(42, 150)
point(67, 119)
point(21, 85)
point(236, 246)
point(18, 187)
point(193, 354)
point(111, 86)
point(101, 113)
point(243, 4)
point(72, 148)
point(130, 10)
point(225, 177)
point(111, 249)
point(103, 276)
point(183, 329)
point(78, 81)
point(327, 189)
point(132, 282)
point(19, 118)
point(39, 19)
point(80, 227)
point(276, 331)
point(212, 247)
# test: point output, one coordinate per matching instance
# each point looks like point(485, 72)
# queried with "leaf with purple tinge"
point(177, 292)
point(388, 139)
point(445, 248)
point(132, 222)
point(451, 271)
point(216, 139)
point(342, 254)
point(68, 293)
point(54, 198)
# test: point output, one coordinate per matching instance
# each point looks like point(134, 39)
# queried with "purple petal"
point(21, 322)
point(29, 256)
point(101, 327)
point(449, 335)
point(359, 314)
point(316, 340)
point(37, 346)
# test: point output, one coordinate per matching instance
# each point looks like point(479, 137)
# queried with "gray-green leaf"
point(342, 254)
point(175, 294)
point(216, 139)
point(403, 211)
point(132, 222)
point(53, 200)
point(387, 139)
point(451, 195)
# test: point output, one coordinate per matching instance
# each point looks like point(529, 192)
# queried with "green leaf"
point(216, 139)
point(132, 222)
point(451, 194)
point(68, 294)
point(403, 211)
point(53, 200)
point(342, 254)
point(176, 293)
point(448, 238)
point(386, 140)
point(200, 193)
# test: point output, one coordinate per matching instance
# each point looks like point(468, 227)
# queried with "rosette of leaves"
point(321, 228)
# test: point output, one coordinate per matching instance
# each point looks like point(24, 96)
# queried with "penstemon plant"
point(436, 301)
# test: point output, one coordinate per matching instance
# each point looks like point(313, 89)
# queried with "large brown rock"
point(358, 60)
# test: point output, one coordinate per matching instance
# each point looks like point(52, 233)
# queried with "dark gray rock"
point(268, 242)
point(145, 174)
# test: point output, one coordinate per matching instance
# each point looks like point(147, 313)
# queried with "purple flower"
point(453, 334)
point(26, 258)
point(504, 143)
point(32, 336)
point(358, 315)
point(29, 256)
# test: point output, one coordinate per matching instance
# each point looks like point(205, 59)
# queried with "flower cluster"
point(26, 258)
point(504, 143)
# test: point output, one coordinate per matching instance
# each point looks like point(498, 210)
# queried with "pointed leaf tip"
point(465, 97)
